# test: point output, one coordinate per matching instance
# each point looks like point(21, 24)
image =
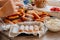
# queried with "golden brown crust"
point(34, 15)
point(13, 17)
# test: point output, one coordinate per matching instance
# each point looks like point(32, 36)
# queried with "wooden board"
point(7, 9)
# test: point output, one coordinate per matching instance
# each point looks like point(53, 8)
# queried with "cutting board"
point(7, 8)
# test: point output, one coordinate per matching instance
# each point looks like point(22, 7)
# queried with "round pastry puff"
point(53, 24)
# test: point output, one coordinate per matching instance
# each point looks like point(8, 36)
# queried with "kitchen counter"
point(48, 36)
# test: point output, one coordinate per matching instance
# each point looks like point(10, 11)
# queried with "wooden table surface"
point(47, 36)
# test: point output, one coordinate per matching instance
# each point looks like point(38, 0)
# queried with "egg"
point(30, 28)
point(21, 29)
point(36, 28)
point(26, 28)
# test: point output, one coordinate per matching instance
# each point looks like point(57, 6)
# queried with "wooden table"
point(47, 36)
